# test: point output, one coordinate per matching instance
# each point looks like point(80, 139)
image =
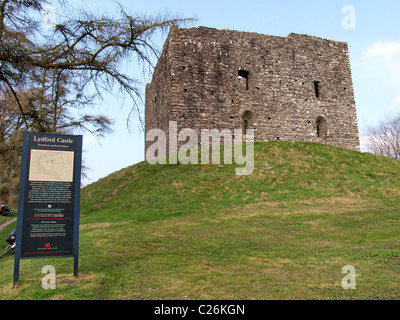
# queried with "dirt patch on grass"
point(95, 225)
point(5, 224)
point(330, 244)
point(112, 194)
point(342, 201)
point(251, 210)
point(177, 184)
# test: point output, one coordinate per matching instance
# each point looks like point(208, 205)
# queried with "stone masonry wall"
point(297, 88)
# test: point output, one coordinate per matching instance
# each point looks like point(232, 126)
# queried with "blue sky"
point(374, 47)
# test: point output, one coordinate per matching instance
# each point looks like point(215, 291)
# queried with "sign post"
point(49, 198)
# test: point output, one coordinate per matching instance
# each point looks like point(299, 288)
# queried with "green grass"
point(201, 232)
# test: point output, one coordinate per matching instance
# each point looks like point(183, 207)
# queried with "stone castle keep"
point(297, 88)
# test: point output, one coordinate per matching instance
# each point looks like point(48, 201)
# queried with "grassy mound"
point(201, 232)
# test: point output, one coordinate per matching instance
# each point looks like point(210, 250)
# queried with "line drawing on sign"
point(49, 165)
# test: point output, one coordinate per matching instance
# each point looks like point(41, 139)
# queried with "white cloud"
point(397, 99)
point(388, 50)
point(382, 60)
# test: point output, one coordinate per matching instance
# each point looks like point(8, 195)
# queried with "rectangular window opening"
point(243, 74)
point(316, 86)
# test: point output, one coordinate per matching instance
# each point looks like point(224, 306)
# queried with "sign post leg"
point(16, 272)
point(76, 267)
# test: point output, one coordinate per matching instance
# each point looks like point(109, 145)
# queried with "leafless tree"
point(91, 48)
point(48, 78)
point(384, 138)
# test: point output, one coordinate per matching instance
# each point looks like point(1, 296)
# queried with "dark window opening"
point(247, 121)
point(322, 127)
point(246, 124)
point(243, 75)
point(317, 89)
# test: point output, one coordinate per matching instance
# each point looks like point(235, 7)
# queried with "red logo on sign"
point(47, 245)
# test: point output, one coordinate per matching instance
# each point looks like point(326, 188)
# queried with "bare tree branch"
point(49, 80)
point(384, 138)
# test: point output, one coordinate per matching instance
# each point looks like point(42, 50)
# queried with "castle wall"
point(297, 88)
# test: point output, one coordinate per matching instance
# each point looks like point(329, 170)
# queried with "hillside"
point(201, 232)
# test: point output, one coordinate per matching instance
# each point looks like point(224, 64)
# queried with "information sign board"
point(49, 198)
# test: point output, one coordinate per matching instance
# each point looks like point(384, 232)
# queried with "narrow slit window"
point(247, 121)
point(317, 89)
point(246, 125)
point(243, 75)
point(322, 127)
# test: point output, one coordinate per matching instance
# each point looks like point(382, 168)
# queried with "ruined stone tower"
point(297, 88)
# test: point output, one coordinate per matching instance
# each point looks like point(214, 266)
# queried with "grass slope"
point(201, 232)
